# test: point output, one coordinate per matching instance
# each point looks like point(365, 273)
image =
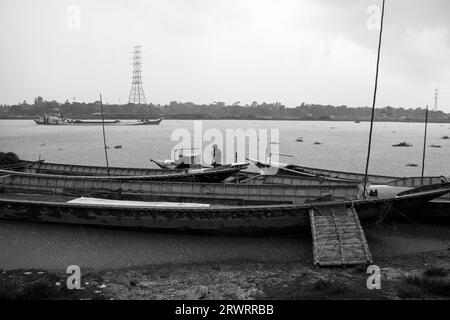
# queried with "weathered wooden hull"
point(206, 176)
point(210, 175)
point(290, 169)
point(283, 219)
point(411, 182)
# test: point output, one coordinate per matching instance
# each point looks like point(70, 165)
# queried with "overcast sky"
point(291, 51)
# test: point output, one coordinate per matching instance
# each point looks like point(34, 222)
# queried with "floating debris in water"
point(118, 147)
point(412, 165)
point(318, 143)
point(402, 144)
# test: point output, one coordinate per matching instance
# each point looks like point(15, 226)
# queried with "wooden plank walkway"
point(338, 238)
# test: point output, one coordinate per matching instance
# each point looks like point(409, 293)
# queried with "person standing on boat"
point(216, 156)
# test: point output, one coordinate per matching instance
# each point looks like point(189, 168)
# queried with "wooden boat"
point(147, 122)
point(51, 121)
point(211, 175)
point(291, 169)
point(241, 177)
point(216, 174)
point(173, 217)
point(402, 144)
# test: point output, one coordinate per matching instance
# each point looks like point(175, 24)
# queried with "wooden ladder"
point(338, 238)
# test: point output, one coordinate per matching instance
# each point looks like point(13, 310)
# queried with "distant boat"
point(93, 122)
point(412, 165)
point(402, 144)
point(318, 143)
point(435, 146)
point(300, 139)
point(445, 138)
point(51, 121)
point(148, 122)
point(357, 121)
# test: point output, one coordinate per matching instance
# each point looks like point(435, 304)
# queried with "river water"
point(344, 147)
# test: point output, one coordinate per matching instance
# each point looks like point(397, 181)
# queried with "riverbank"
point(414, 263)
point(413, 276)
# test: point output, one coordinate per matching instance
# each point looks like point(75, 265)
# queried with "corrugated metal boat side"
point(210, 192)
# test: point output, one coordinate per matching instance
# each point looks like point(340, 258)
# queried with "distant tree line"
point(216, 110)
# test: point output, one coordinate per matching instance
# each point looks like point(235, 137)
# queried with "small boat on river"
point(147, 122)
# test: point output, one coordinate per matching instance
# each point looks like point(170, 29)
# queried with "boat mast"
point(374, 101)
point(104, 138)
point(424, 143)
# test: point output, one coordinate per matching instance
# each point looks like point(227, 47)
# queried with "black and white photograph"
point(224, 155)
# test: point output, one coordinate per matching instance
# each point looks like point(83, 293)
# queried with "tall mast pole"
point(104, 137)
point(436, 92)
point(425, 143)
point(374, 101)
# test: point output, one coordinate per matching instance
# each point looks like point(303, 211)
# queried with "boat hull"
point(57, 123)
point(147, 123)
point(205, 176)
point(272, 219)
point(145, 174)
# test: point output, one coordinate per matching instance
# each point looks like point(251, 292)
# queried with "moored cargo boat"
point(133, 188)
point(291, 169)
point(212, 175)
point(283, 219)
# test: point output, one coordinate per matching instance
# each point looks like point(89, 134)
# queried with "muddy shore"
point(421, 274)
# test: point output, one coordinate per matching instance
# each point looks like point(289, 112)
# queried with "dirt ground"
point(413, 276)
